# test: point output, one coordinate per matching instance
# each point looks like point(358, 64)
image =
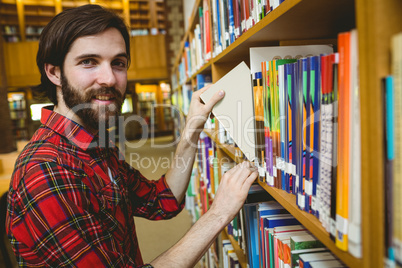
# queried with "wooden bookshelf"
point(297, 22)
point(143, 15)
point(239, 252)
point(288, 201)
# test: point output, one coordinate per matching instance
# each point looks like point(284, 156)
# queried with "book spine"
point(342, 201)
point(231, 21)
point(282, 122)
point(355, 201)
point(237, 18)
point(207, 31)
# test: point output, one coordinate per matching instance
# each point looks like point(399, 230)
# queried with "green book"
point(304, 242)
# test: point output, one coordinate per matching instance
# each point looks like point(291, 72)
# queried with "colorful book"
point(315, 94)
point(207, 31)
point(389, 156)
point(305, 242)
point(294, 254)
point(305, 260)
point(259, 122)
point(342, 200)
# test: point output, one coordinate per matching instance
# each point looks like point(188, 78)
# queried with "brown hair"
point(60, 33)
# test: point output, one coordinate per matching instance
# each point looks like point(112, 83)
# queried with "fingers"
point(249, 181)
point(241, 172)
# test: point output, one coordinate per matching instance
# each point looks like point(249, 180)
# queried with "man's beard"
point(92, 114)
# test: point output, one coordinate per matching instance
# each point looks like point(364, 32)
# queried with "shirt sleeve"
point(51, 222)
point(151, 199)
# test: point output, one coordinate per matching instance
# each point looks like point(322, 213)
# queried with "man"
point(72, 200)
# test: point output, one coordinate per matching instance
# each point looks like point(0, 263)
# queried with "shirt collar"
point(74, 132)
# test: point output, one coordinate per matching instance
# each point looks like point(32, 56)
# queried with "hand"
point(233, 190)
point(199, 112)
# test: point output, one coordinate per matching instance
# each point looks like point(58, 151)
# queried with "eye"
point(88, 62)
point(120, 63)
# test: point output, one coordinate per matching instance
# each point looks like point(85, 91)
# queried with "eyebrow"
point(83, 56)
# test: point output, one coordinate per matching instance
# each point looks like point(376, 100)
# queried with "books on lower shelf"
point(274, 238)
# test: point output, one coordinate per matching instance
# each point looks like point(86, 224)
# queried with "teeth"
point(103, 98)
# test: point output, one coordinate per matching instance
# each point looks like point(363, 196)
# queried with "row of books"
point(253, 228)
point(392, 101)
point(269, 237)
point(231, 18)
point(221, 22)
point(307, 132)
point(275, 238)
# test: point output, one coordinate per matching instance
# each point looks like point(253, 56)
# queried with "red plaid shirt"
point(65, 211)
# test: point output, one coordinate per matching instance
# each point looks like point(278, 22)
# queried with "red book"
point(207, 31)
point(247, 13)
point(243, 15)
point(237, 18)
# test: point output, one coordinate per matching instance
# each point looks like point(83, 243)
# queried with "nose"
point(106, 76)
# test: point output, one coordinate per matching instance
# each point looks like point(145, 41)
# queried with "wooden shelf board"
point(206, 68)
point(229, 150)
point(288, 201)
point(291, 21)
point(239, 252)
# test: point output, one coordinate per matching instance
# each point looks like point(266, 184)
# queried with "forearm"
point(188, 251)
point(178, 176)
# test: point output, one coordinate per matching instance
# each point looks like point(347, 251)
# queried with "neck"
point(62, 109)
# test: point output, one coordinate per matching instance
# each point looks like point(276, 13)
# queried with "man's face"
point(94, 77)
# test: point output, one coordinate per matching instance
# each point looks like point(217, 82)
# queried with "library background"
point(325, 91)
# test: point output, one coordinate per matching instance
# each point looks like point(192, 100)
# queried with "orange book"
point(342, 191)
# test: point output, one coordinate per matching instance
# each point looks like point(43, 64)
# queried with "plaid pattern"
point(63, 208)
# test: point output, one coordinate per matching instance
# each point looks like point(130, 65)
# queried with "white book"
point(355, 203)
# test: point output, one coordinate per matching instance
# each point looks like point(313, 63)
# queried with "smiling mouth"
point(104, 97)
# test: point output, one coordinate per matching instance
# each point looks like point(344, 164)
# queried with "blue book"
point(266, 209)
point(297, 99)
point(288, 130)
point(271, 222)
point(231, 21)
point(283, 107)
point(389, 158)
point(208, 144)
point(300, 133)
point(203, 80)
point(280, 220)
point(308, 133)
point(251, 227)
point(315, 91)
point(218, 16)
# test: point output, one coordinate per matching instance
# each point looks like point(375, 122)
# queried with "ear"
point(53, 73)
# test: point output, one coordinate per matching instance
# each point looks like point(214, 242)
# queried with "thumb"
point(214, 100)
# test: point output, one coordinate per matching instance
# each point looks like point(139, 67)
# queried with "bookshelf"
point(296, 22)
point(18, 105)
point(24, 20)
point(239, 252)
